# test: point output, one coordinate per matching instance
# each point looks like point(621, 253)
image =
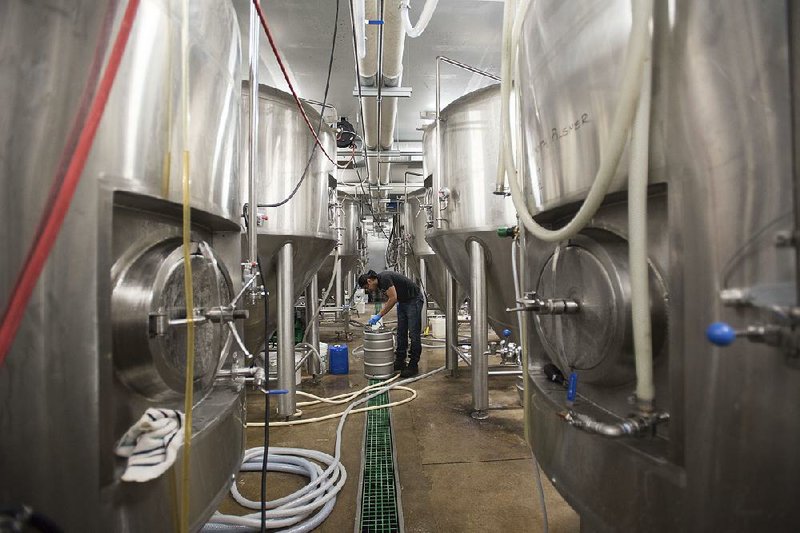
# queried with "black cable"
point(266, 400)
point(319, 126)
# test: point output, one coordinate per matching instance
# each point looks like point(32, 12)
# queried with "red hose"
point(53, 220)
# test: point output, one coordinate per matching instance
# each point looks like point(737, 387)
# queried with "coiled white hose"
point(296, 511)
point(638, 52)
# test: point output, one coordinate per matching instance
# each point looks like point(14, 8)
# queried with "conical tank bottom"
point(451, 247)
point(309, 253)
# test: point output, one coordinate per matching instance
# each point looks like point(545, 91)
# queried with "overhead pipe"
point(381, 67)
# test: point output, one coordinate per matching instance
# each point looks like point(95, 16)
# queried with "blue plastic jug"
point(338, 359)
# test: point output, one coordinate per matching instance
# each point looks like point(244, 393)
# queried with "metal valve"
point(722, 334)
point(546, 306)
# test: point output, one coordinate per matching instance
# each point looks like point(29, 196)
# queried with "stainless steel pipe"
point(451, 323)
point(312, 323)
point(480, 327)
point(286, 372)
point(252, 211)
point(337, 271)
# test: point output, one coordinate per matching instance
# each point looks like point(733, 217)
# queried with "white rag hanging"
point(151, 444)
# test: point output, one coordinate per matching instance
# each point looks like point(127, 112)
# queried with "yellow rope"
point(187, 273)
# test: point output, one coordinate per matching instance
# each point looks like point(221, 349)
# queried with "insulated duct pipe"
point(313, 366)
point(480, 328)
point(286, 372)
point(381, 66)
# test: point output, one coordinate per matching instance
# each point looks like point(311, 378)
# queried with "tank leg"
point(451, 323)
point(480, 361)
point(312, 319)
point(286, 372)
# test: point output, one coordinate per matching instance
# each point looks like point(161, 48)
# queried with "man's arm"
point(391, 292)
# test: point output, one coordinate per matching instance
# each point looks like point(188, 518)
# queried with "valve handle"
point(720, 334)
point(506, 333)
point(572, 387)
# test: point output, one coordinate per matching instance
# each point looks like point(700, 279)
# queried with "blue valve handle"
point(720, 334)
point(506, 333)
point(278, 391)
point(572, 387)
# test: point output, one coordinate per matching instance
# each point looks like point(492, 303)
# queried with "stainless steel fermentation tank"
point(293, 238)
point(422, 261)
point(350, 243)
point(466, 217)
point(720, 176)
point(96, 348)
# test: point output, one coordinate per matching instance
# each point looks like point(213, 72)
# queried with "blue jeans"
point(409, 324)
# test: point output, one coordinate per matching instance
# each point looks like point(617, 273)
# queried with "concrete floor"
point(457, 474)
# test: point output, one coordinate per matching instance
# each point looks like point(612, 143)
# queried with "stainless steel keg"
point(378, 353)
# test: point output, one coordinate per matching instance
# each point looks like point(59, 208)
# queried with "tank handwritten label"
point(556, 134)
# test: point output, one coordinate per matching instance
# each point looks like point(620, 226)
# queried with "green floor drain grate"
point(380, 509)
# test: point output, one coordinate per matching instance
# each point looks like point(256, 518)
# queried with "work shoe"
point(399, 366)
point(410, 371)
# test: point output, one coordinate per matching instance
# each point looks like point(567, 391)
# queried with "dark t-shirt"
point(406, 289)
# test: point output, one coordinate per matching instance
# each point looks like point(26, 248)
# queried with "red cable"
point(289, 83)
point(55, 218)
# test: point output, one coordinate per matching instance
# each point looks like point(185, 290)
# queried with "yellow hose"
point(187, 273)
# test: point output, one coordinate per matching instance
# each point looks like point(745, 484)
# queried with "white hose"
point(424, 18)
point(620, 126)
point(637, 243)
point(358, 20)
point(319, 496)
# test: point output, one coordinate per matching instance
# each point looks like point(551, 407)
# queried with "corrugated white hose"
point(319, 495)
point(424, 18)
point(637, 243)
point(623, 118)
point(536, 472)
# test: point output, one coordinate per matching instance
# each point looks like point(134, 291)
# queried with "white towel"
point(151, 444)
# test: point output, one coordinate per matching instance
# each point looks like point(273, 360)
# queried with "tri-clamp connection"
point(532, 302)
